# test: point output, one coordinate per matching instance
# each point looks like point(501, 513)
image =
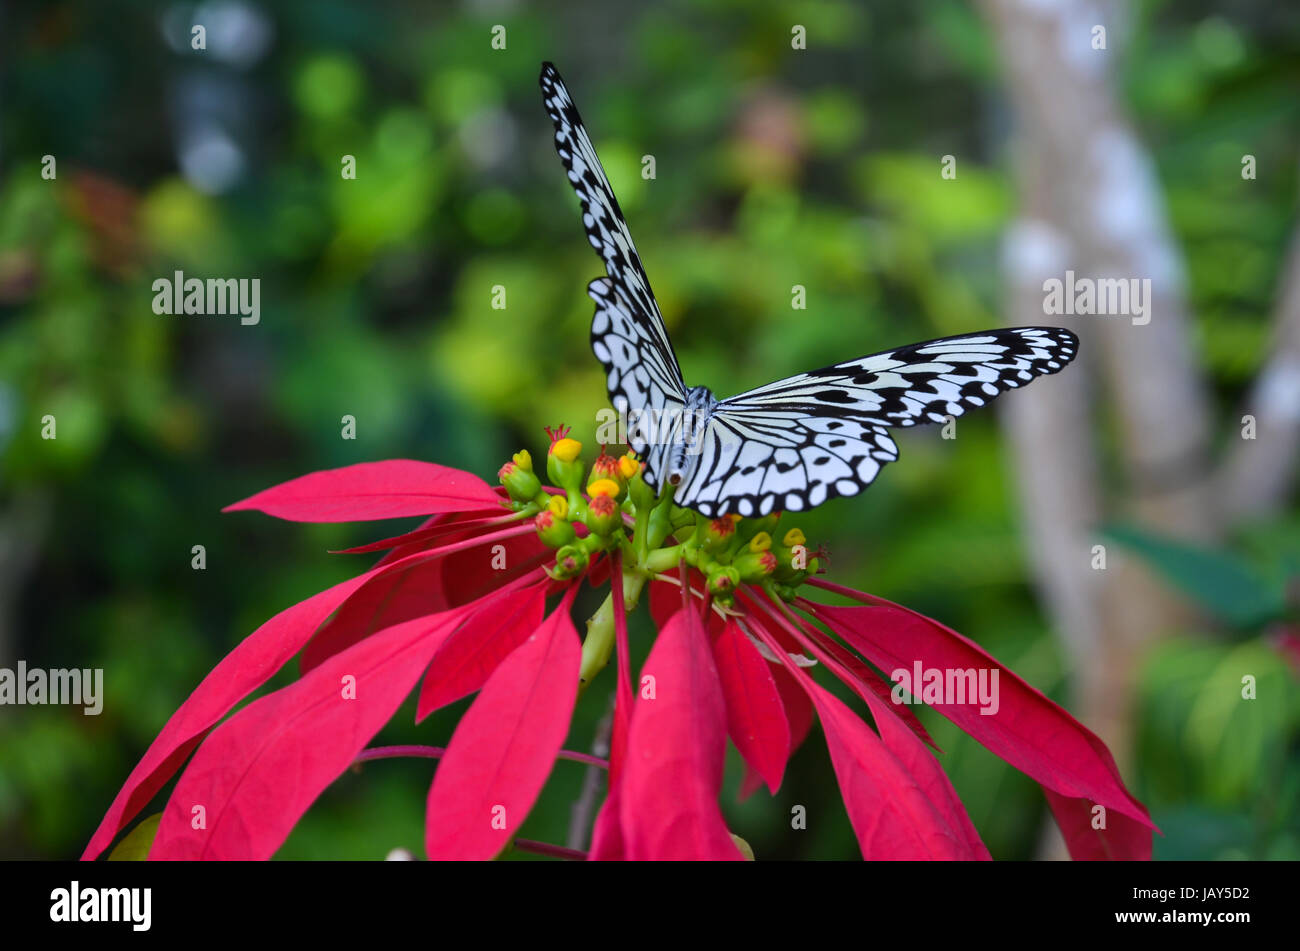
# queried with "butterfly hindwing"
point(793, 444)
point(757, 462)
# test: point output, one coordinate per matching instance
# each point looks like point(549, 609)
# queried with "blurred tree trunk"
point(1257, 474)
point(1090, 203)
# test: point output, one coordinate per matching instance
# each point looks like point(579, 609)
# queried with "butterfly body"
point(685, 439)
point(795, 443)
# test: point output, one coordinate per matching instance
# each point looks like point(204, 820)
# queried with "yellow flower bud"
point(793, 537)
point(566, 449)
point(760, 542)
point(559, 506)
point(524, 460)
point(628, 465)
point(603, 487)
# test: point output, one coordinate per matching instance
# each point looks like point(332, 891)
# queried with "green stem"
point(640, 529)
point(663, 559)
point(599, 642)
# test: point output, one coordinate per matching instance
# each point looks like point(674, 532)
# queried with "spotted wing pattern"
point(628, 334)
point(794, 444)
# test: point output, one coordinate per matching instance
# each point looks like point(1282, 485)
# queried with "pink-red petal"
point(756, 720)
point(373, 490)
point(249, 665)
point(892, 815)
point(456, 572)
point(469, 656)
point(1093, 833)
point(1029, 731)
point(668, 795)
point(505, 745)
point(256, 775)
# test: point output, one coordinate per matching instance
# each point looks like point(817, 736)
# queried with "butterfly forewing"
point(627, 333)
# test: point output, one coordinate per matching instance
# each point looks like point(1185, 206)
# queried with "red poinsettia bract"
point(478, 600)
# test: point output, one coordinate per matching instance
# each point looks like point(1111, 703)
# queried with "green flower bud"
point(681, 517)
point(723, 580)
point(792, 556)
point(521, 483)
point(603, 515)
point(744, 847)
point(784, 591)
point(570, 561)
point(563, 462)
point(608, 468)
point(754, 566)
point(553, 530)
point(717, 534)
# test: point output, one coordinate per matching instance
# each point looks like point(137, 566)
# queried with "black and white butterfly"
point(790, 445)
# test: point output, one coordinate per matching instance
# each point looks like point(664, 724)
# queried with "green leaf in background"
point(135, 847)
point(1199, 734)
point(1225, 585)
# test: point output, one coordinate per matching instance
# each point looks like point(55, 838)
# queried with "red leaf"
point(668, 795)
point(245, 668)
point(864, 680)
point(403, 594)
point(794, 700)
point(479, 569)
point(855, 674)
point(756, 720)
point(505, 745)
point(259, 771)
point(904, 748)
point(1122, 839)
point(666, 597)
point(373, 490)
point(891, 815)
point(1029, 731)
point(798, 711)
point(411, 548)
point(929, 776)
point(458, 571)
point(607, 834)
point(428, 532)
point(598, 573)
point(666, 600)
point(749, 783)
point(469, 656)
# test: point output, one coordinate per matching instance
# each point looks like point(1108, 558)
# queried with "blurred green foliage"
point(775, 167)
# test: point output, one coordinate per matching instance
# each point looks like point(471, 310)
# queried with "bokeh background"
point(775, 166)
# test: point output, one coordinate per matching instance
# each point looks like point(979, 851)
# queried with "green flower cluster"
point(612, 509)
